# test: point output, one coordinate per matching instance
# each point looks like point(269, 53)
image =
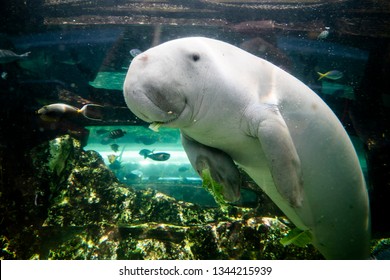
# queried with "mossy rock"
point(88, 214)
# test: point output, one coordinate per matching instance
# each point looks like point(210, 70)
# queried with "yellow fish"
point(332, 75)
point(112, 158)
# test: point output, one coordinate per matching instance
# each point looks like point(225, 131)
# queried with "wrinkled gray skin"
point(234, 108)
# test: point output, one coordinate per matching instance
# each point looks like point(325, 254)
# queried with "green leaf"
point(212, 187)
point(297, 237)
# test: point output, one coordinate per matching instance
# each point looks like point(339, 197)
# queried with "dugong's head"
point(179, 84)
point(167, 83)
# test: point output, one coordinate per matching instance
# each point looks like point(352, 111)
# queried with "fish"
point(145, 152)
point(54, 112)
point(115, 165)
point(106, 140)
point(102, 131)
point(154, 156)
point(117, 133)
point(159, 156)
point(183, 169)
point(114, 147)
point(7, 56)
point(115, 162)
point(133, 177)
point(135, 52)
point(324, 34)
point(332, 75)
point(147, 139)
point(112, 158)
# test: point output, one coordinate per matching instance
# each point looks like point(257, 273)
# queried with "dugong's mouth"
point(164, 119)
point(179, 118)
point(156, 106)
point(162, 108)
point(156, 125)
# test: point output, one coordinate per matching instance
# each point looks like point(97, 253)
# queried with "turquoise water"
point(109, 80)
point(174, 176)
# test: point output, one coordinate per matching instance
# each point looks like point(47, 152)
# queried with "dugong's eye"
point(195, 57)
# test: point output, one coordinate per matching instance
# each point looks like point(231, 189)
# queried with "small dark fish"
point(135, 52)
point(131, 177)
point(54, 112)
point(117, 133)
point(145, 152)
point(154, 156)
point(116, 165)
point(183, 169)
point(147, 140)
point(7, 56)
point(159, 156)
point(134, 176)
point(106, 140)
point(114, 161)
point(102, 131)
point(114, 147)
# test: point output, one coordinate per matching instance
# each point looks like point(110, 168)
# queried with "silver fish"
point(57, 111)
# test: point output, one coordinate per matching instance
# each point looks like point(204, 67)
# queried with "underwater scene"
point(194, 130)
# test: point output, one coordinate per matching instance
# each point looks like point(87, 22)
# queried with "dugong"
point(235, 109)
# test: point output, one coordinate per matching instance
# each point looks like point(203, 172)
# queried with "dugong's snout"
point(150, 95)
point(154, 105)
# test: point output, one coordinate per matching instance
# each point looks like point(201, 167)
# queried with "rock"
point(381, 249)
point(88, 214)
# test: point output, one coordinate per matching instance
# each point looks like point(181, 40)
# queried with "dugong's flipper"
point(222, 168)
point(269, 126)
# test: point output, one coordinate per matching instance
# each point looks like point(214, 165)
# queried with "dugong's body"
point(235, 108)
